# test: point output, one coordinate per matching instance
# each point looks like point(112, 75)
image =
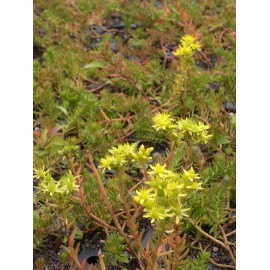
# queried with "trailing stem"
point(225, 245)
point(226, 266)
point(111, 210)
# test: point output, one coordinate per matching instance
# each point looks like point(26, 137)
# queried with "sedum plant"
point(54, 206)
point(161, 196)
point(186, 50)
point(161, 199)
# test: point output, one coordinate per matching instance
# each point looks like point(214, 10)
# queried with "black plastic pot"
point(90, 255)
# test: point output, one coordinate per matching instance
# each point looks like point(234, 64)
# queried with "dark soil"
point(93, 244)
point(51, 255)
point(38, 53)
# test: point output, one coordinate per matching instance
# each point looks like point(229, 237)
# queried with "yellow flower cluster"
point(192, 131)
point(188, 46)
point(163, 198)
point(163, 121)
point(48, 185)
point(122, 155)
point(183, 128)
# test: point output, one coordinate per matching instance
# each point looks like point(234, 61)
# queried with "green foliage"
point(115, 103)
point(115, 253)
point(220, 169)
point(63, 257)
point(144, 130)
point(45, 106)
point(41, 224)
point(178, 158)
point(208, 206)
point(40, 263)
point(200, 82)
point(57, 14)
point(228, 81)
point(217, 205)
point(200, 263)
point(95, 200)
point(47, 146)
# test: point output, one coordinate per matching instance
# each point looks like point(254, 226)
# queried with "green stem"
point(185, 93)
point(190, 145)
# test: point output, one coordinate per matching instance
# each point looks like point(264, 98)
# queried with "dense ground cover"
point(104, 71)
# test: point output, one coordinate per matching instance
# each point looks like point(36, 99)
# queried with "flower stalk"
point(186, 50)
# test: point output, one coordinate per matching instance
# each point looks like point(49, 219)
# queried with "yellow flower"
point(187, 40)
point(195, 185)
point(163, 121)
point(196, 46)
point(188, 46)
point(40, 173)
point(158, 170)
point(68, 183)
point(106, 163)
point(179, 212)
point(190, 175)
point(156, 213)
point(143, 196)
point(173, 190)
point(183, 51)
point(50, 187)
point(193, 131)
point(144, 154)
